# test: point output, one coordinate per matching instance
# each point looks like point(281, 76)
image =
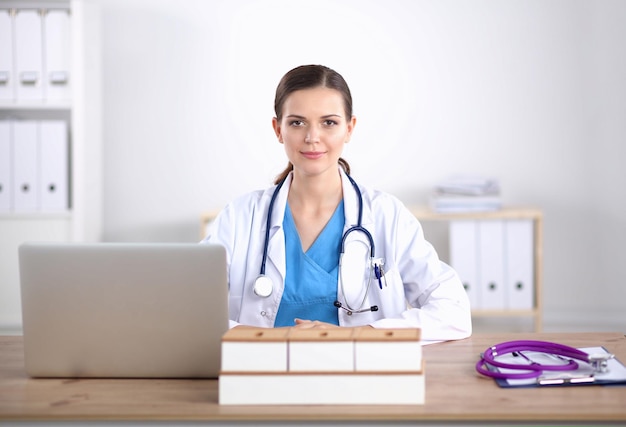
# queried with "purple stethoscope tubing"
point(533, 370)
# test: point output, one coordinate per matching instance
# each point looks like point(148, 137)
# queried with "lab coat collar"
point(350, 202)
point(276, 244)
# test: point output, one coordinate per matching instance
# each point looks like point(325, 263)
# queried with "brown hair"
point(308, 77)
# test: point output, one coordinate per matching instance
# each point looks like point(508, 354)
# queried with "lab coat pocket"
point(391, 291)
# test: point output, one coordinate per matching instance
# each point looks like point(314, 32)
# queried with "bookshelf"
point(81, 110)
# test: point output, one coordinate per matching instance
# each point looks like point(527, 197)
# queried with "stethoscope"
point(263, 285)
point(566, 355)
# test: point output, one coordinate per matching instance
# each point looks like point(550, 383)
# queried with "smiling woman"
point(339, 254)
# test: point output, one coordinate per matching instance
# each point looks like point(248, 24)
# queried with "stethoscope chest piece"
point(263, 286)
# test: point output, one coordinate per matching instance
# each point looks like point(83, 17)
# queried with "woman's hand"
point(313, 324)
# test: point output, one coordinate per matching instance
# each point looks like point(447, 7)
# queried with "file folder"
point(464, 257)
point(491, 264)
point(57, 55)
point(7, 86)
point(25, 163)
point(28, 55)
point(519, 264)
point(53, 182)
point(5, 167)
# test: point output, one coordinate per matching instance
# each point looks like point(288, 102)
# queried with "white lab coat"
point(421, 291)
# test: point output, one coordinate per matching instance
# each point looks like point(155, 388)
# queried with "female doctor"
point(317, 250)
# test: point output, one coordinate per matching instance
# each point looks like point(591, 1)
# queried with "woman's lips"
point(312, 154)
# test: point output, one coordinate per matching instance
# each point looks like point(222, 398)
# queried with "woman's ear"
point(351, 125)
point(276, 126)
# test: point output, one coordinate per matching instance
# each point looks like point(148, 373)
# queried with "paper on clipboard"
point(584, 375)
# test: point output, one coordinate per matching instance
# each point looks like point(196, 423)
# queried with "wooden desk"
point(454, 394)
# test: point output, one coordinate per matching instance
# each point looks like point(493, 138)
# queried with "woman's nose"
point(312, 135)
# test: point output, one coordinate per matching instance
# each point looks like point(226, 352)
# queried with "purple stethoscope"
point(569, 355)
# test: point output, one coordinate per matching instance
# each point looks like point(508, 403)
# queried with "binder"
point(464, 257)
point(519, 264)
point(53, 177)
point(7, 87)
point(25, 163)
point(56, 44)
point(5, 167)
point(28, 55)
point(491, 264)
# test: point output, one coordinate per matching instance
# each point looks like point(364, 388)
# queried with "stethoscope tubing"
point(263, 285)
point(533, 370)
point(268, 224)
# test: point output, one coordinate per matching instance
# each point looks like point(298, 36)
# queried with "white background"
point(530, 92)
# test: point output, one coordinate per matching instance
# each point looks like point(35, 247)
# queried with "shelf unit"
point(424, 214)
point(82, 221)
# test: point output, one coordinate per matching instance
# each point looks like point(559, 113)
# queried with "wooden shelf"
point(507, 213)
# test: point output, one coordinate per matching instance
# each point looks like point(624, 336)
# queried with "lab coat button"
point(263, 313)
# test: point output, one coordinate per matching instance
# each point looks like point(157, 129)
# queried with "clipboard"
point(583, 376)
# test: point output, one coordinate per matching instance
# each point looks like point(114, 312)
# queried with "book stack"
point(466, 194)
point(321, 367)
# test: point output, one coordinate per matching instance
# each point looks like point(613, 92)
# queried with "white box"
point(323, 389)
point(254, 350)
point(388, 350)
point(321, 350)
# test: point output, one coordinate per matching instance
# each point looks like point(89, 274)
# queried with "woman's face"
point(314, 129)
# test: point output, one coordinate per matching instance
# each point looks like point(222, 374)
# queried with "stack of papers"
point(466, 194)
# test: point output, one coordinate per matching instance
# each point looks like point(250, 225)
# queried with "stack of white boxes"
point(324, 367)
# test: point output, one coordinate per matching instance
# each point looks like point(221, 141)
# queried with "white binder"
point(520, 266)
point(56, 43)
point(25, 163)
point(28, 55)
point(464, 257)
point(5, 167)
point(53, 182)
point(7, 78)
point(491, 266)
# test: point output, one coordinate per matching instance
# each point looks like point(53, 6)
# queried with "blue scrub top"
point(311, 278)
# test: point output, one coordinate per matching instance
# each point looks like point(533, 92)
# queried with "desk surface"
point(454, 393)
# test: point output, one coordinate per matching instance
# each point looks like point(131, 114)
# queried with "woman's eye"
point(296, 123)
point(330, 122)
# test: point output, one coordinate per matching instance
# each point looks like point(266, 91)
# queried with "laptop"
point(123, 310)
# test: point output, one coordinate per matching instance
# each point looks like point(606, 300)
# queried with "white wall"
point(531, 92)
